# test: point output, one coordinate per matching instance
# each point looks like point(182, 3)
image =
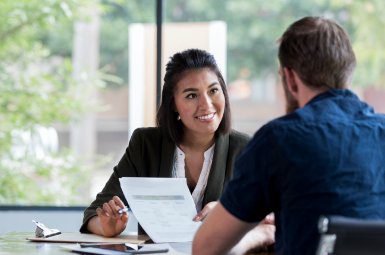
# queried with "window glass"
point(253, 28)
point(64, 96)
point(71, 72)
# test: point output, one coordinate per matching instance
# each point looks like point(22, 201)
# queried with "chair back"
point(348, 236)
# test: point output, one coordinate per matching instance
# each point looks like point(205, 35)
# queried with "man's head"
point(318, 50)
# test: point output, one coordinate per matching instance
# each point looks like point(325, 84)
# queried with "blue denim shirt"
point(327, 158)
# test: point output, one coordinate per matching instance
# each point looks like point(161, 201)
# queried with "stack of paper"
point(163, 207)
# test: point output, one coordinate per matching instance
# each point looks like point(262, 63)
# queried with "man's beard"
point(291, 103)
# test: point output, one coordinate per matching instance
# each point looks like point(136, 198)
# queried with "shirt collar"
point(332, 93)
point(207, 154)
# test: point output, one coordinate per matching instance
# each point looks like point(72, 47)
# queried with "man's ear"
point(291, 81)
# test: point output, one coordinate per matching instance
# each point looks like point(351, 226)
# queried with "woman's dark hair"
point(179, 64)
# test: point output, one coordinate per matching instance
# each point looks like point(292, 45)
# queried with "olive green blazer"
point(150, 153)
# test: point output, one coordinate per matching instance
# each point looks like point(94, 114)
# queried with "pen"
point(123, 210)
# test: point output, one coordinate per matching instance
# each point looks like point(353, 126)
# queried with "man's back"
point(327, 158)
point(332, 162)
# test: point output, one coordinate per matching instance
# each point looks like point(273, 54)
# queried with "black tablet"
point(118, 248)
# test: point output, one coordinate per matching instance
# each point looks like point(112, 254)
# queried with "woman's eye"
point(191, 96)
point(214, 90)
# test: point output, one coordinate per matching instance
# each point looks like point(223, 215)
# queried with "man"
point(325, 157)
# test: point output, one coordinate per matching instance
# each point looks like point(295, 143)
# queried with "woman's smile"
point(207, 117)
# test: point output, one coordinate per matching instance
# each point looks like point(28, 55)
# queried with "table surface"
point(15, 243)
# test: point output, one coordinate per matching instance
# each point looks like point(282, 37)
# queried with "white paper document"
point(163, 207)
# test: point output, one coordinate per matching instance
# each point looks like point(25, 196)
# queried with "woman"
point(193, 139)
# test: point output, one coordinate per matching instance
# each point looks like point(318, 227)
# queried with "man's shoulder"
point(275, 131)
point(329, 112)
point(279, 123)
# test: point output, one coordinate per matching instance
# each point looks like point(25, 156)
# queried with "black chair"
point(348, 236)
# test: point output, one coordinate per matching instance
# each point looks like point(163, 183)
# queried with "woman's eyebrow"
point(195, 89)
point(213, 84)
point(189, 89)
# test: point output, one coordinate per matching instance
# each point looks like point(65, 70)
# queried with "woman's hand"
point(109, 222)
point(267, 228)
point(205, 211)
point(269, 219)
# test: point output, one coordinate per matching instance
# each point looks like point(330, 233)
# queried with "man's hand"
point(205, 211)
point(109, 222)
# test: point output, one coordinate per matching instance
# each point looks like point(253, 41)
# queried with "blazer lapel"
point(218, 170)
point(167, 155)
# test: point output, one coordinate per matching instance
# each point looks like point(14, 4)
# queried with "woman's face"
point(200, 101)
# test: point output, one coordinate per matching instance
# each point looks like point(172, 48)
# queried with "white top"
point(178, 171)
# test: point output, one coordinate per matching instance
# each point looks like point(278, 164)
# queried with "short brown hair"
point(176, 68)
point(319, 50)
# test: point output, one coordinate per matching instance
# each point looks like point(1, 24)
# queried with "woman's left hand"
point(205, 211)
point(269, 219)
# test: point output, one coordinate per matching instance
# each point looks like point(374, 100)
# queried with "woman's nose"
point(205, 101)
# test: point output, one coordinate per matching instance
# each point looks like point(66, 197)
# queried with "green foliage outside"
point(253, 27)
point(37, 87)
point(36, 90)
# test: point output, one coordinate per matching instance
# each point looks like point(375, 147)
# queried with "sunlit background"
point(77, 76)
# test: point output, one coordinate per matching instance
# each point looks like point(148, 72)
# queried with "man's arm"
point(219, 232)
point(256, 239)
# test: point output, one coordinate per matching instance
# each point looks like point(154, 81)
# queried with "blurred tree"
point(116, 15)
point(36, 91)
point(255, 25)
point(253, 28)
point(366, 20)
point(37, 88)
